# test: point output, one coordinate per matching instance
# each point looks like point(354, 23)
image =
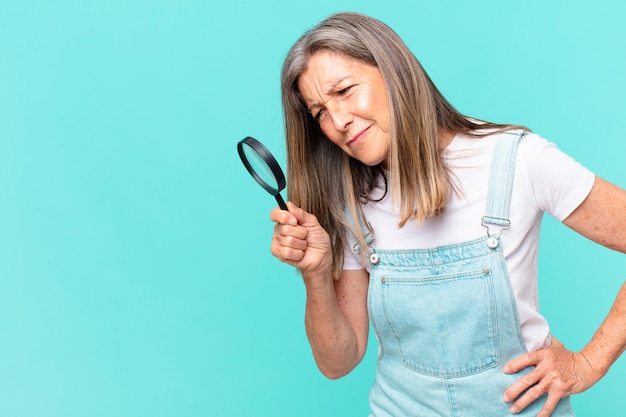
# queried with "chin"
point(372, 162)
point(370, 159)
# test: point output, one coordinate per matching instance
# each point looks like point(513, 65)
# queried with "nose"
point(339, 114)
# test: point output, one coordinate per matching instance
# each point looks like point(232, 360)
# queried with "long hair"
point(326, 182)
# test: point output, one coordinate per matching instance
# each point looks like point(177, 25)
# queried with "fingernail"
point(293, 221)
point(514, 409)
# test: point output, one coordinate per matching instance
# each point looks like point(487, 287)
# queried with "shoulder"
point(540, 155)
point(559, 183)
point(532, 142)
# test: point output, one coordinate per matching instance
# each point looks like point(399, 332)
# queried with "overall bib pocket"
point(444, 325)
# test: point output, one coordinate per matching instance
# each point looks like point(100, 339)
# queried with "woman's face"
point(348, 99)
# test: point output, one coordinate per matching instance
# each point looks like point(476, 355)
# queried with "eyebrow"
point(335, 84)
point(328, 92)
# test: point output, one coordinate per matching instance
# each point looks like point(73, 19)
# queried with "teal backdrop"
point(135, 272)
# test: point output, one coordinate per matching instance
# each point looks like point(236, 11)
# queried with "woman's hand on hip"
point(300, 240)
point(558, 372)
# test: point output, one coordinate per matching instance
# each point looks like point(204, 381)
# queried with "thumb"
point(303, 217)
point(556, 343)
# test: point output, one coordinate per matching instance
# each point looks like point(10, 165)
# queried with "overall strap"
point(496, 217)
point(369, 237)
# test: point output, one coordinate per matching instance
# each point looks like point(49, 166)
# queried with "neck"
point(445, 138)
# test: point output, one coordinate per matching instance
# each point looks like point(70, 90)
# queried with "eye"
point(344, 91)
point(317, 116)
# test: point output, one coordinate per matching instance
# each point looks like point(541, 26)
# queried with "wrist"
point(316, 280)
point(597, 360)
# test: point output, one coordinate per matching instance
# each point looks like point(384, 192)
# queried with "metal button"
point(374, 259)
point(492, 242)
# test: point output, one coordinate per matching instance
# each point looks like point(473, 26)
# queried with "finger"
point(292, 242)
point(280, 216)
point(521, 385)
point(531, 395)
point(303, 217)
point(288, 230)
point(286, 253)
point(521, 362)
point(549, 406)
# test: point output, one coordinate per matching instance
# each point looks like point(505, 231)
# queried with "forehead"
point(326, 61)
point(328, 69)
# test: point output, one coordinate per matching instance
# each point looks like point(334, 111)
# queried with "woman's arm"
point(337, 322)
point(602, 216)
point(336, 310)
point(559, 372)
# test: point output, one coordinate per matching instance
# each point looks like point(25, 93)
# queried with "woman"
point(405, 212)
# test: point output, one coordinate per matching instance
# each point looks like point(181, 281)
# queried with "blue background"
point(135, 272)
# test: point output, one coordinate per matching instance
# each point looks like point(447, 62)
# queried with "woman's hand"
point(558, 372)
point(300, 240)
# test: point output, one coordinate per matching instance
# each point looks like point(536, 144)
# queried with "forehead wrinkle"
point(321, 76)
point(328, 92)
point(334, 85)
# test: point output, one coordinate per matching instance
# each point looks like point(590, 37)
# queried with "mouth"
point(358, 136)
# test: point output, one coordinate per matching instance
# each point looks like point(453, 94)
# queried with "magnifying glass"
point(263, 167)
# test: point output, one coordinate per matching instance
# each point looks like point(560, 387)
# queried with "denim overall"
point(446, 319)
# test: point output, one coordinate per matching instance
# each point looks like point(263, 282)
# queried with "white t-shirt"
point(546, 180)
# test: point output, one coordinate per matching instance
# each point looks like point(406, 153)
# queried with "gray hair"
point(322, 179)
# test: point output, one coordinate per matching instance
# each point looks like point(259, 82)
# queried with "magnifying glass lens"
point(261, 168)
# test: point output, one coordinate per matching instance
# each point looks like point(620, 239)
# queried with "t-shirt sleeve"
point(559, 183)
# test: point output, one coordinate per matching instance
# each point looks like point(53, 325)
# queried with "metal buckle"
point(498, 223)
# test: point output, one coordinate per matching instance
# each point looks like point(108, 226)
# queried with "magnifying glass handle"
point(281, 202)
